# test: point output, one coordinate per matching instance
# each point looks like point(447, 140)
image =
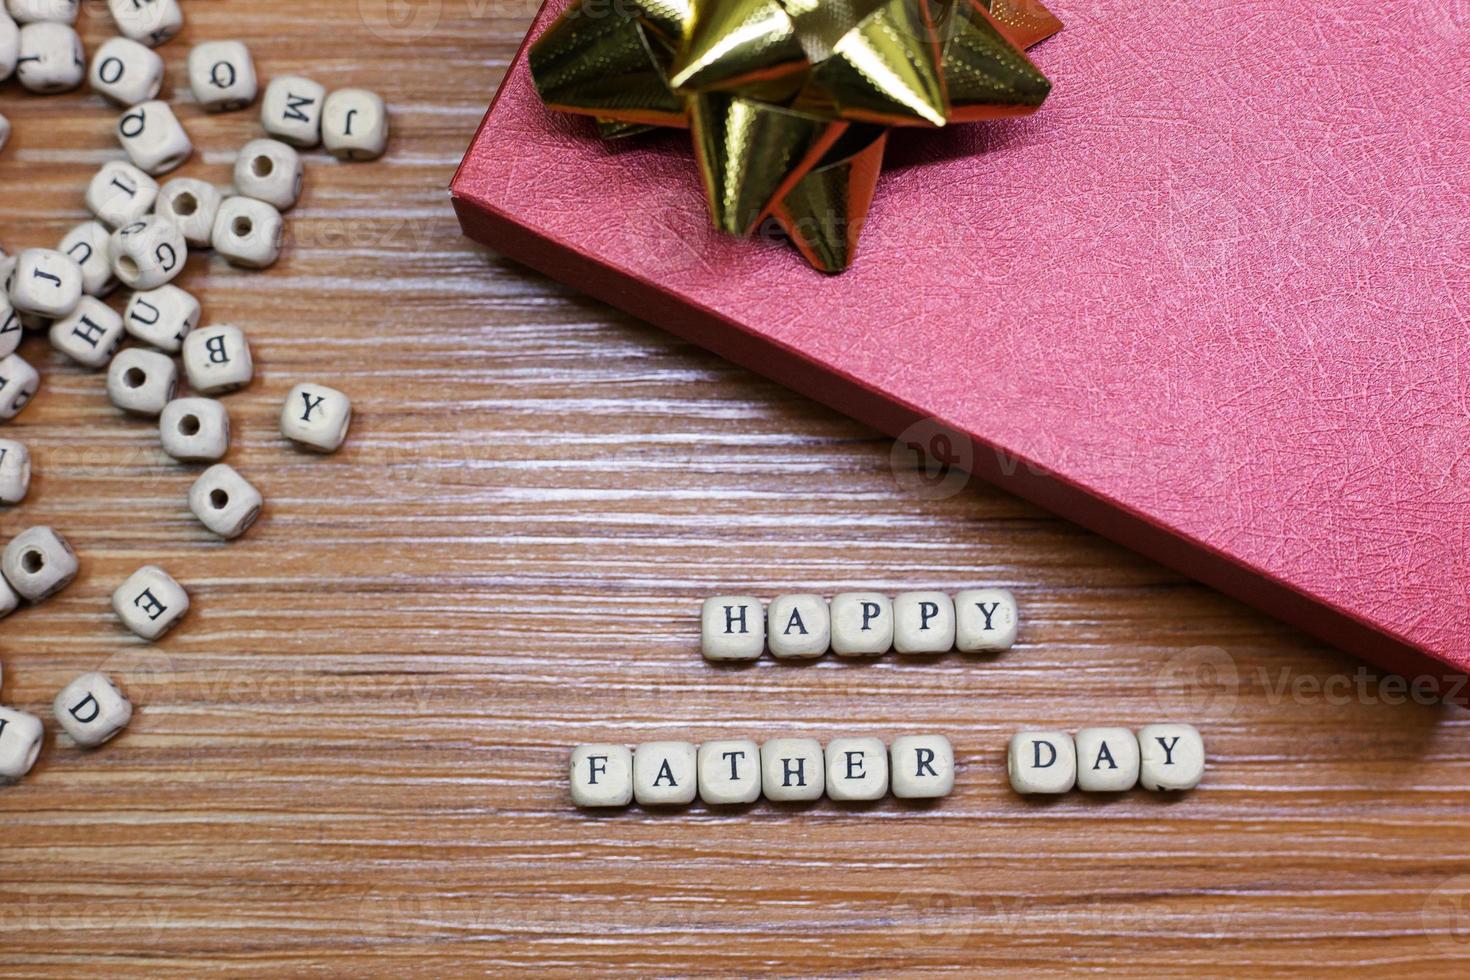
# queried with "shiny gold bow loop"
point(790, 101)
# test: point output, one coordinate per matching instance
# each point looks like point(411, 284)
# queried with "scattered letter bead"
point(217, 359)
point(87, 246)
point(120, 194)
point(32, 11)
point(1107, 760)
point(248, 232)
point(11, 330)
point(148, 253)
point(224, 502)
point(9, 601)
point(857, 769)
point(862, 624)
point(9, 48)
point(150, 602)
point(92, 710)
point(269, 171)
point(923, 622)
point(90, 334)
point(222, 75)
point(923, 767)
point(19, 383)
point(664, 773)
point(20, 743)
point(729, 771)
point(153, 138)
point(195, 429)
point(150, 21)
point(192, 205)
point(1171, 757)
point(316, 417)
point(732, 627)
point(985, 619)
point(292, 110)
point(45, 282)
point(141, 381)
point(4, 132)
point(51, 58)
point(792, 769)
point(38, 563)
point(162, 317)
point(355, 124)
point(1042, 762)
point(601, 775)
point(15, 471)
point(799, 626)
point(126, 72)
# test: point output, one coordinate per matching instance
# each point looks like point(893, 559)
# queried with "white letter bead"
point(150, 602)
point(292, 110)
point(316, 417)
point(1042, 762)
point(19, 383)
point(119, 194)
point(248, 232)
point(862, 624)
point(162, 317)
point(923, 767)
point(11, 330)
point(87, 246)
point(38, 563)
point(269, 171)
point(664, 773)
point(90, 334)
point(141, 381)
point(601, 775)
point(985, 619)
point(857, 769)
point(1107, 760)
point(32, 11)
point(4, 132)
point(1171, 757)
point(15, 471)
point(792, 769)
point(799, 626)
point(9, 601)
point(729, 772)
point(923, 622)
point(195, 429)
point(91, 709)
point(732, 627)
point(192, 205)
point(217, 359)
point(224, 502)
point(9, 48)
point(51, 58)
point(45, 282)
point(222, 75)
point(153, 138)
point(150, 21)
point(20, 743)
point(126, 72)
point(355, 124)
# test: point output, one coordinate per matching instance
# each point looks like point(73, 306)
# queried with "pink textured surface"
point(1221, 283)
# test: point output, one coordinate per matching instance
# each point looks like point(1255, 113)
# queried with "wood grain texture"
point(349, 759)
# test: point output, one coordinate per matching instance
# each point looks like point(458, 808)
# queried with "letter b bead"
point(150, 602)
point(316, 417)
point(217, 359)
point(92, 710)
point(601, 775)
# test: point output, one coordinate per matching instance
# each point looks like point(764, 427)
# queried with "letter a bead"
point(601, 775)
point(664, 773)
point(857, 769)
point(732, 627)
point(1107, 760)
point(1042, 762)
point(92, 710)
point(150, 602)
point(800, 626)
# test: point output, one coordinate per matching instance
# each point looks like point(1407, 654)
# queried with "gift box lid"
point(1213, 300)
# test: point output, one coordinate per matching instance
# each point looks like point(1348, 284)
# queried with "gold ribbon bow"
point(790, 101)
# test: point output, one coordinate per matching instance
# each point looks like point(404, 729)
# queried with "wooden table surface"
point(349, 759)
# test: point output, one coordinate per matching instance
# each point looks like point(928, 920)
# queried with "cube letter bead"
point(857, 769)
point(19, 383)
point(9, 601)
point(15, 471)
point(32, 11)
point(11, 330)
point(119, 194)
point(150, 602)
point(192, 205)
point(792, 769)
point(292, 110)
point(664, 773)
point(923, 622)
point(355, 124)
point(248, 232)
point(224, 502)
point(195, 429)
point(1171, 757)
point(148, 253)
point(269, 171)
point(20, 743)
point(162, 317)
point(151, 22)
point(9, 48)
point(729, 771)
point(316, 417)
point(126, 72)
point(601, 775)
point(141, 382)
point(51, 58)
point(90, 334)
point(222, 75)
point(153, 137)
point(38, 563)
point(732, 627)
point(1042, 762)
point(923, 767)
point(985, 619)
point(799, 626)
point(87, 246)
point(862, 624)
point(1107, 760)
point(45, 282)
point(4, 132)
point(91, 709)
point(217, 359)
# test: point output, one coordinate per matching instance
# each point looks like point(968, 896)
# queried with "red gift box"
point(1212, 301)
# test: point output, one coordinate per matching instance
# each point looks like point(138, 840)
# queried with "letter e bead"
point(1172, 757)
point(316, 417)
point(150, 602)
point(217, 359)
point(224, 502)
point(92, 709)
point(20, 743)
point(1042, 762)
point(857, 769)
point(601, 775)
point(732, 627)
point(664, 773)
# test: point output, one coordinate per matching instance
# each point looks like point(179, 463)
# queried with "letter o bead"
point(126, 72)
point(923, 767)
point(150, 602)
point(222, 75)
point(355, 124)
point(51, 58)
point(601, 775)
point(20, 743)
point(665, 773)
point(224, 501)
point(1171, 757)
point(38, 563)
point(732, 627)
point(92, 709)
point(153, 137)
point(148, 253)
point(316, 417)
point(141, 382)
point(248, 232)
point(1107, 760)
point(1042, 762)
point(792, 770)
point(729, 772)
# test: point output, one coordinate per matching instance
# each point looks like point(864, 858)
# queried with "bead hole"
point(263, 166)
point(134, 377)
point(189, 425)
point(32, 562)
point(128, 265)
point(218, 499)
point(185, 204)
point(242, 227)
